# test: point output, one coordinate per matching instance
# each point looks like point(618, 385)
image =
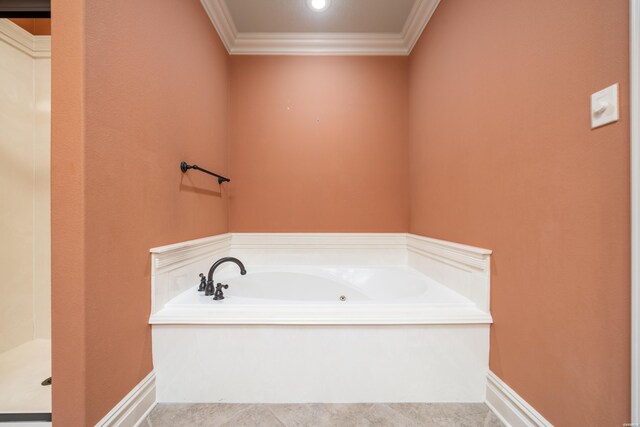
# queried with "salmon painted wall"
point(36, 26)
point(319, 144)
point(68, 291)
point(503, 157)
point(149, 89)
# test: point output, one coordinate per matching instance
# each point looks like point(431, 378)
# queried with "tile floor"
point(318, 414)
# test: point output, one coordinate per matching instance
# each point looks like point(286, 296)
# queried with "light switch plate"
point(604, 106)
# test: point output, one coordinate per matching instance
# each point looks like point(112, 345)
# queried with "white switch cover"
point(604, 106)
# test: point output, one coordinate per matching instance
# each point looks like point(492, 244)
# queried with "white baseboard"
point(134, 407)
point(512, 409)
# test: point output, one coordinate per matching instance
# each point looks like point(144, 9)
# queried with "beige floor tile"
point(255, 416)
point(186, 415)
point(321, 415)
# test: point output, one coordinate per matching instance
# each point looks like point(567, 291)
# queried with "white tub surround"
point(320, 363)
point(175, 268)
point(413, 326)
point(25, 252)
point(25, 142)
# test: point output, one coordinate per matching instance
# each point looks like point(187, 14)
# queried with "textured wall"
point(319, 144)
point(145, 94)
point(503, 157)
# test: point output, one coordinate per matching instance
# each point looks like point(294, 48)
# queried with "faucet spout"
point(221, 261)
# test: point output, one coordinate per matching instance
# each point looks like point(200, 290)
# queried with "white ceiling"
point(342, 16)
point(347, 27)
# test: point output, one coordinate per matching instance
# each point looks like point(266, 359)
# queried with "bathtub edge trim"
point(306, 315)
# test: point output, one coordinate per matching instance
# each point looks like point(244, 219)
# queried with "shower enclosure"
point(25, 248)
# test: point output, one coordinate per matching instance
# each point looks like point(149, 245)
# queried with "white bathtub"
point(413, 331)
point(323, 294)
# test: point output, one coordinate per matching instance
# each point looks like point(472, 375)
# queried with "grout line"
point(243, 407)
point(400, 415)
point(275, 416)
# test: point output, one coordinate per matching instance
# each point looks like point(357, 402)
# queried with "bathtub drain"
point(343, 298)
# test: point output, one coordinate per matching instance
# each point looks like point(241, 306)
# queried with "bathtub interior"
point(325, 285)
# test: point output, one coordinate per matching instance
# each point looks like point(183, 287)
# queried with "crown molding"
point(34, 46)
point(417, 21)
point(222, 21)
point(41, 47)
point(16, 36)
point(238, 43)
point(317, 44)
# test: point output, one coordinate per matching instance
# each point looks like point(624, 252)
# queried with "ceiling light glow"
point(318, 5)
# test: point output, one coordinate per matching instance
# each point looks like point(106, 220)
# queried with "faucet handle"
point(203, 283)
point(218, 294)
